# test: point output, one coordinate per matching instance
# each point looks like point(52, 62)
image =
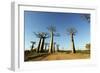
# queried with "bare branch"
point(52, 28)
point(71, 30)
point(32, 42)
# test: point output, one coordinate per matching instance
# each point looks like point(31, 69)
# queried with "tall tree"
point(52, 30)
point(46, 44)
point(88, 46)
point(32, 46)
point(54, 46)
point(57, 47)
point(39, 35)
point(44, 36)
point(72, 31)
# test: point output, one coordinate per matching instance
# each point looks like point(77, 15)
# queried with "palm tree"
point(72, 31)
point(52, 30)
point(33, 43)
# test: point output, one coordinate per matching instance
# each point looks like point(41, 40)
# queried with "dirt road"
point(61, 56)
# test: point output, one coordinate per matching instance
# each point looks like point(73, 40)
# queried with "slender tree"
point(88, 46)
point(39, 35)
point(44, 36)
point(32, 46)
point(52, 30)
point(57, 47)
point(72, 31)
point(54, 45)
point(46, 44)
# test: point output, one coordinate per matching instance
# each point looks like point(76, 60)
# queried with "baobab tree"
point(54, 45)
point(57, 47)
point(39, 35)
point(32, 46)
point(72, 31)
point(46, 44)
point(52, 30)
point(42, 36)
point(88, 46)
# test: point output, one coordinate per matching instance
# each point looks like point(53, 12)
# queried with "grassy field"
point(61, 55)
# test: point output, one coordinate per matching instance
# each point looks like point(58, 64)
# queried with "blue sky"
point(39, 21)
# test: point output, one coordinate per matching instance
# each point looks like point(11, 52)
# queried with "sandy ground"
point(61, 56)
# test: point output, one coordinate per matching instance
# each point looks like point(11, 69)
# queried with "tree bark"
point(57, 48)
point(42, 44)
point(54, 47)
point(72, 44)
point(39, 45)
point(45, 47)
point(32, 47)
point(51, 43)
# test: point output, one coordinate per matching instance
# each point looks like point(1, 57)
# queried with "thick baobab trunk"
point(39, 46)
point(42, 45)
point(72, 44)
point(51, 43)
